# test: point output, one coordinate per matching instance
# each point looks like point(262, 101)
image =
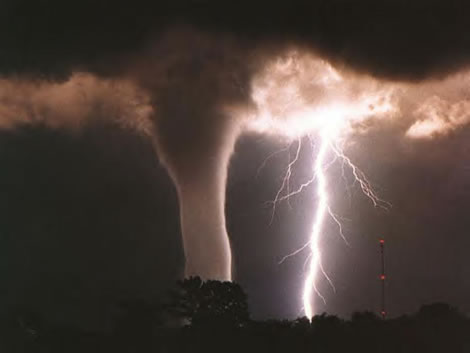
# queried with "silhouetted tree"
point(302, 324)
point(439, 312)
point(364, 318)
point(210, 303)
point(217, 320)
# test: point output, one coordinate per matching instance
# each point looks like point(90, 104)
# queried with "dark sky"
point(393, 38)
point(90, 217)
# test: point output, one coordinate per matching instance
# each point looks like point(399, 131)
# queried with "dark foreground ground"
point(213, 317)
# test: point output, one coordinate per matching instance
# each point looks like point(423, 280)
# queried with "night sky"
point(89, 217)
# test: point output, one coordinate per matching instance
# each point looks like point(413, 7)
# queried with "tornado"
point(201, 195)
point(198, 83)
point(197, 157)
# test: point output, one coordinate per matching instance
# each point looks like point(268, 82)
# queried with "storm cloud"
point(393, 39)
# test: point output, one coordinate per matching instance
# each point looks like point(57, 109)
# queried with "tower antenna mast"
point(383, 312)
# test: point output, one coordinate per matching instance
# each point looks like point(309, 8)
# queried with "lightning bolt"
point(300, 96)
point(328, 145)
point(321, 211)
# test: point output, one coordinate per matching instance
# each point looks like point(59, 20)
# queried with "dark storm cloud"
point(394, 39)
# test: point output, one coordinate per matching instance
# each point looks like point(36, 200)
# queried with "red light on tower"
point(383, 313)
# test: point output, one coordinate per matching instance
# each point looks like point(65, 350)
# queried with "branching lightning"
point(300, 96)
point(286, 180)
point(327, 145)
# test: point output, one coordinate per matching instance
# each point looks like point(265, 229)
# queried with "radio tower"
point(383, 313)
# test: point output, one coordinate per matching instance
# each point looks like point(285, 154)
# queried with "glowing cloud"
point(439, 117)
point(74, 103)
point(301, 95)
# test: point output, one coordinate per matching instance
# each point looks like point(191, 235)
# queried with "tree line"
point(213, 316)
